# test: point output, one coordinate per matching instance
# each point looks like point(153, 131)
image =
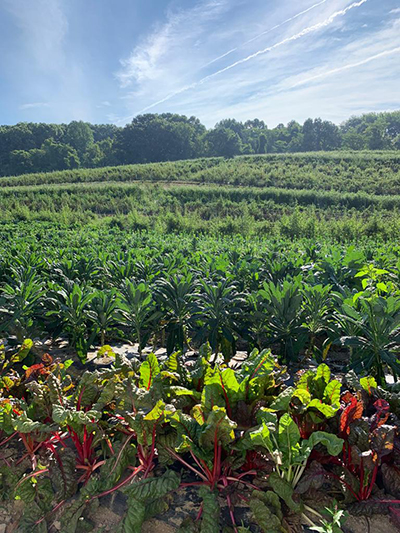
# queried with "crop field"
point(220, 331)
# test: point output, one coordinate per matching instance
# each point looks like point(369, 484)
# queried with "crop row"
point(182, 301)
point(370, 172)
point(149, 429)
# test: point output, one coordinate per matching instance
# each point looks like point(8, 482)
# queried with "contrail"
point(306, 31)
point(264, 33)
point(346, 67)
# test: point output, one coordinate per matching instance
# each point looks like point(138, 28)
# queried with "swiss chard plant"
point(207, 441)
point(316, 398)
point(289, 452)
point(240, 392)
point(367, 441)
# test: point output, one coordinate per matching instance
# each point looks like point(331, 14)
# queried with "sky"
point(106, 61)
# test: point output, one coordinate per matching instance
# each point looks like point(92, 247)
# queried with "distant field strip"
point(98, 197)
point(376, 173)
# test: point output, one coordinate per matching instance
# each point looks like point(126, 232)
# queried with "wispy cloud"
point(295, 37)
point(145, 62)
point(358, 76)
point(347, 67)
point(266, 32)
point(276, 60)
point(34, 105)
point(105, 103)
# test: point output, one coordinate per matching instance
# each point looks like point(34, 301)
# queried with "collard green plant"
point(104, 312)
point(282, 303)
point(218, 307)
point(377, 344)
point(21, 303)
point(175, 296)
point(318, 318)
point(139, 314)
point(69, 312)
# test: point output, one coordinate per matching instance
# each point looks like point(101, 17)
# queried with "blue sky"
point(277, 60)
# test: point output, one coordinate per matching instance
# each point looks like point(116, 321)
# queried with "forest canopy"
point(38, 147)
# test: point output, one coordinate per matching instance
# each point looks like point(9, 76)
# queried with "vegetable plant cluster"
point(237, 436)
point(242, 433)
point(307, 301)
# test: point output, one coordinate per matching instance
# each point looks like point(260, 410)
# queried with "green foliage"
point(282, 303)
point(31, 147)
point(211, 511)
point(336, 518)
point(315, 399)
point(146, 496)
point(377, 341)
point(267, 511)
point(288, 450)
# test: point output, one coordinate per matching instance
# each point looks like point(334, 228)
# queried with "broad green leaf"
point(187, 429)
point(332, 392)
point(285, 491)
point(183, 391)
point(288, 437)
point(267, 417)
point(267, 512)
point(303, 395)
point(261, 436)
point(148, 370)
point(23, 424)
point(157, 412)
point(368, 383)
point(211, 511)
point(150, 489)
point(22, 353)
point(281, 402)
point(327, 410)
point(198, 414)
point(218, 427)
point(323, 373)
point(333, 444)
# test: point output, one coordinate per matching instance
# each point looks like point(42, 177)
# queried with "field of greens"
point(231, 331)
point(340, 195)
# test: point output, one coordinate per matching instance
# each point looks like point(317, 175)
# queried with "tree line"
point(38, 147)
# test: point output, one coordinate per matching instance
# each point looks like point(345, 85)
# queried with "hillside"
point(343, 194)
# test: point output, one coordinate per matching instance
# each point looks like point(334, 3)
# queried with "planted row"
point(148, 429)
point(296, 309)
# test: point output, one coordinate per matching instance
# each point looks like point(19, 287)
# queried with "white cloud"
point(349, 66)
point(358, 77)
point(266, 32)
point(304, 32)
point(34, 105)
point(394, 11)
point(182, 28)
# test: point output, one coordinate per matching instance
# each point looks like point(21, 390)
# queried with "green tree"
point(80, 136)
point(223, 142)
point(59, 156)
